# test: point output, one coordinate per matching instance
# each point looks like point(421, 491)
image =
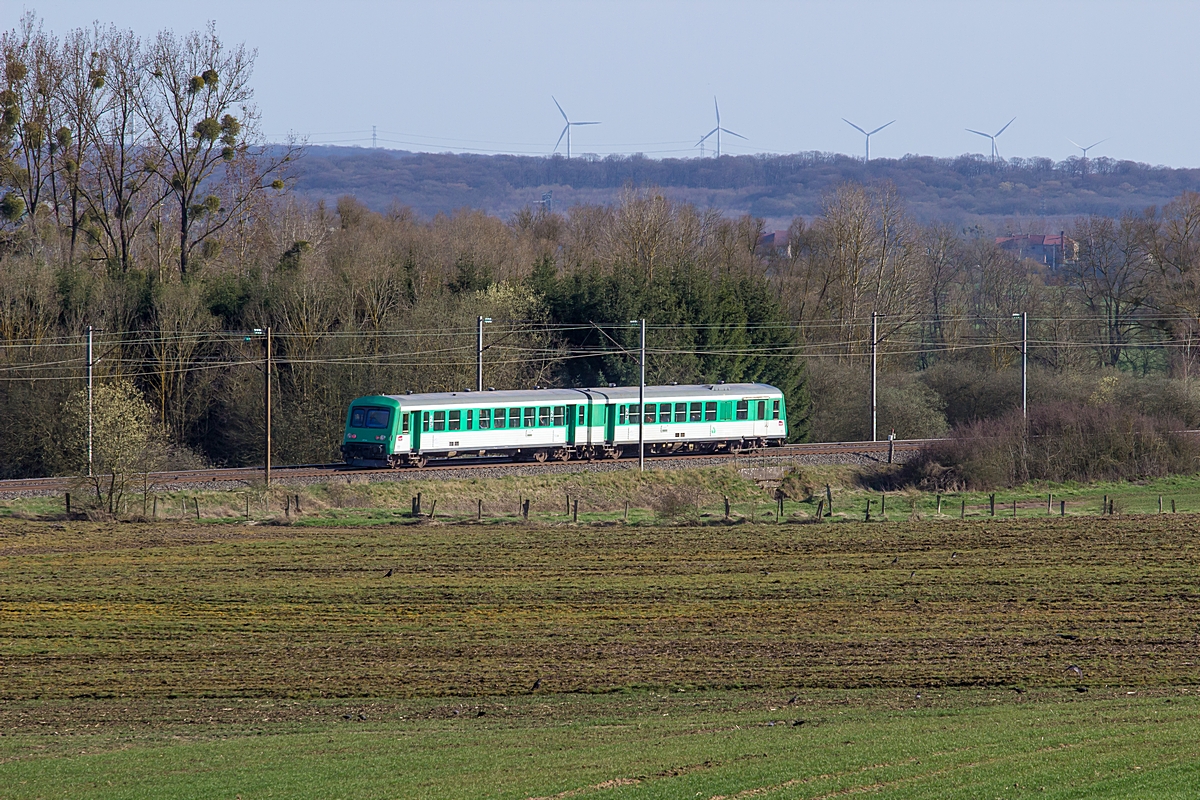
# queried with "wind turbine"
point(717, 130)
point(566, 131)
point(864, 133)
point(1085, 149)
point(992, 136)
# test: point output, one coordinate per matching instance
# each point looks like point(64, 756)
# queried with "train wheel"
point(614, 453)
point(562, 455)
point(735, 447)
point(419, 461)
point(540, 456)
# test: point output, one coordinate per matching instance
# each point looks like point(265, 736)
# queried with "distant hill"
point(966, 190)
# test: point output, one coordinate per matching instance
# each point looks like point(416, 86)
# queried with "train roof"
point(615, 394)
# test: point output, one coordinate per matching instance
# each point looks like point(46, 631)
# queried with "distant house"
point(775, 242)
point(1053, 251)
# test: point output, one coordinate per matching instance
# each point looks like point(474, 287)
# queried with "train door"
point(571, 412)
point(414, 427)
point(610, 423)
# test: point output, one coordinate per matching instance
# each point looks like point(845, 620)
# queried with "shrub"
point(1065, 442)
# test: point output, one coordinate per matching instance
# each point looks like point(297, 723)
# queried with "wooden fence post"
point(1104, 507)
point(883, 506)
point(297, 504)
point(939, 498)
point(962, 514)
point(68, 504)
point(1050, 503)
point(727, 509)
point(196, 501)
point(1160, 504)
point(432, 508)
point(575, 511)
point(820, 510)
point(156, 507)
point(1172, 505)
point(525, 509)
point(868, 516)
point(626, 511)
point(829, 499)
point(1062, 508)
point(479, 511)
point(1014, 508)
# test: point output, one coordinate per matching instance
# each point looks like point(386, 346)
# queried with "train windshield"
point(366, 417)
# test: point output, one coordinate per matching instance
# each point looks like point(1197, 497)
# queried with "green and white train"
point(561, 424)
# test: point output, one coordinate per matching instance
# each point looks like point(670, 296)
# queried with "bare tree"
point(195, 86)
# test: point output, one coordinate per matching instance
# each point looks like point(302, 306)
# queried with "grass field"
point(926, 658)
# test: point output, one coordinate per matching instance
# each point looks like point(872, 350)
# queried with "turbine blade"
point(731, 133)
point(718, 110)
point(852, 125)
point(566, 128)
point(980, 133)
point(881, 127)
point(1102, 141)
point(560, 109)
point(1002, 130)
point(705, 136)
point(1077, 144)
point(585, 123)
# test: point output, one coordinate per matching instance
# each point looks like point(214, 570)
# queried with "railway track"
point(179, 478)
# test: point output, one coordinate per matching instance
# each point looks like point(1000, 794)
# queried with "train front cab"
point(371, 435)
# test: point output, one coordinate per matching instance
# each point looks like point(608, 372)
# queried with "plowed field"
point(259, 611)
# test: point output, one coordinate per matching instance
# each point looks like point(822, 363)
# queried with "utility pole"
point(874, 363)
point(1024, 316)
point(89, 387)
point(479, 354)
point(642, 396)
point(1025, 364)
point(267, 402)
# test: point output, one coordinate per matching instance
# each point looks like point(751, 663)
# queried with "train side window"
point(743, 409)
point(710, 412)
point(455, 420)
point(499, 418)
point(651, 413)
point(560, 416)
point(404, 423)
point(358, 418)
point(485, 419)
point(697, 414)
point(623, 415)
point(774, 409)
point(425, 424)
point(470, 419)
point(439, 420)
point(582, 415)
point(514, 418)
point(762, 409)
point(543, 416)
point(530, 417)
point(634, 410)
point(681, 412)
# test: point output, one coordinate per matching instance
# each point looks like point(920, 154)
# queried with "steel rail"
point(251, 474)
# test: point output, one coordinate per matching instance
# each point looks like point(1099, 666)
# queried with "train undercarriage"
point(564, 453)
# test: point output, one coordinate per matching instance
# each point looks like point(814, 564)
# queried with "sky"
point(479, 76)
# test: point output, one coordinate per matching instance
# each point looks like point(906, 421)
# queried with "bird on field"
point(911, 574)
point(793, 700)
point(537, 684)
point(894, 560)
point(954, 554)
point(1074, 670)
point(389, 573)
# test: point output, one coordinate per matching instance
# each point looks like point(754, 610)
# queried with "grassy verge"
point(657, 497)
